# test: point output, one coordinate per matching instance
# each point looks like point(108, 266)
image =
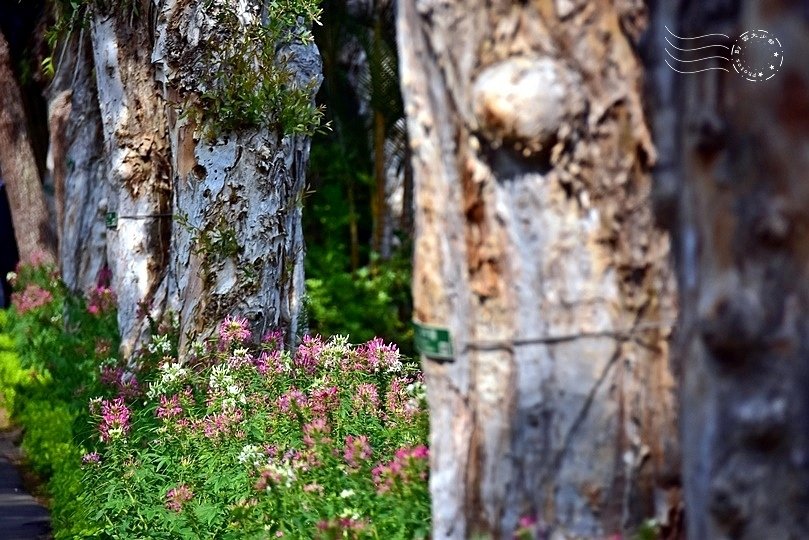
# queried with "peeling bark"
point(77, 165)
point(246, 184)
point(738, 200)
point(530, 159)
point(32, 227)
point(134, 128)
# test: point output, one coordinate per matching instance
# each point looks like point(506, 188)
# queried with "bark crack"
point(556, 462)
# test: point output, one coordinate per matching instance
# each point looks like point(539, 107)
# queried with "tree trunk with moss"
point(203, 138)
point(32, 225)
point(736, 197)
point(535, 248)
point(237, 242)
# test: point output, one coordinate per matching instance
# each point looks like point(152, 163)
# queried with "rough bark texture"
point(245, 185)
point(739, 217)
point(135, 136)
point(531, 157)
point(76, 162)
point(32, 227)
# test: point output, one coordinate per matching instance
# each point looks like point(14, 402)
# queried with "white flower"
point(346, 493)
point(350, 513)
point(220, 377)
point(251, 454)
point(160, 344)
point(172, 373)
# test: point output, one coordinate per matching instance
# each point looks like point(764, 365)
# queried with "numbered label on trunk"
point(432, 341)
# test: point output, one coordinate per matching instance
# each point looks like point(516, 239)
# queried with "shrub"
point(241, 441)
point(231, 440)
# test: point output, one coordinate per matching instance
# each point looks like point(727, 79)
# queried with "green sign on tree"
point(432, 341)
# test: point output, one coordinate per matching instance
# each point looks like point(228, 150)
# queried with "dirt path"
point(22, 517)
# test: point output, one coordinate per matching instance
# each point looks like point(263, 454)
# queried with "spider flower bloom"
point(114, 419)
point(234, 329)
point(366, 398)
point(31, 298)
point(101, 300)
point(357, 449)
point(307, 356)
point(177, 497)
point(93, 458)
point(169, 407)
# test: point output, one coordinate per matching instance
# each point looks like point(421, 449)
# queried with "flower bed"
point(234, 439)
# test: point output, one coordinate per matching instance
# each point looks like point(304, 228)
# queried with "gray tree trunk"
point(736, 196)
point(246, 184)
point(169, 186)
point(32, 225)
point(535, 248)
point(77, 165)
point(139, 171)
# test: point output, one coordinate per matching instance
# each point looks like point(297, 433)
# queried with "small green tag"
point(432, 341)
point(112, 220)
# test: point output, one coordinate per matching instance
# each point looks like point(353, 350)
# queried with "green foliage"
point(218, 243)
point(248, 80)
point(243, 442)
point(350, 290)
point(51, 344)
point(362, 304)
point(246, 74)
point(230, 441)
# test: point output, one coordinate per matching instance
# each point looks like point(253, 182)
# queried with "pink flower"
point(366, 398)
point(313, 488)
point(408, 464)
point(169, 407)
point(234, 329)
point(93, 458)
point(177, 497)
point(316, 432)
point(218, 425)
point(356, 449)
point(114, 419)
point(101, 300)
point(293, 398)
point(397, 401)
point(343, 527)
point(324, 400)
point(32, 297)
point(274, 339)
point(270, 362)
point(307, 357)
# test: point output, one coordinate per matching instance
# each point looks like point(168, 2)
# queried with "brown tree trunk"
point(739, 216)
point(535, 249)
point(32, 228)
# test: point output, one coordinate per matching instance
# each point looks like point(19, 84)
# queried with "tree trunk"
point(739, 220)
point(32, 228)
point(240, 248)
point(76, 162)
point(135, 135)
point(535, 248)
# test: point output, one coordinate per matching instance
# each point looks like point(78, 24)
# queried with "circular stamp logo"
point(757, 55)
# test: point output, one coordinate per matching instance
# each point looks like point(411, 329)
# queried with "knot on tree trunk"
point(525, 102)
